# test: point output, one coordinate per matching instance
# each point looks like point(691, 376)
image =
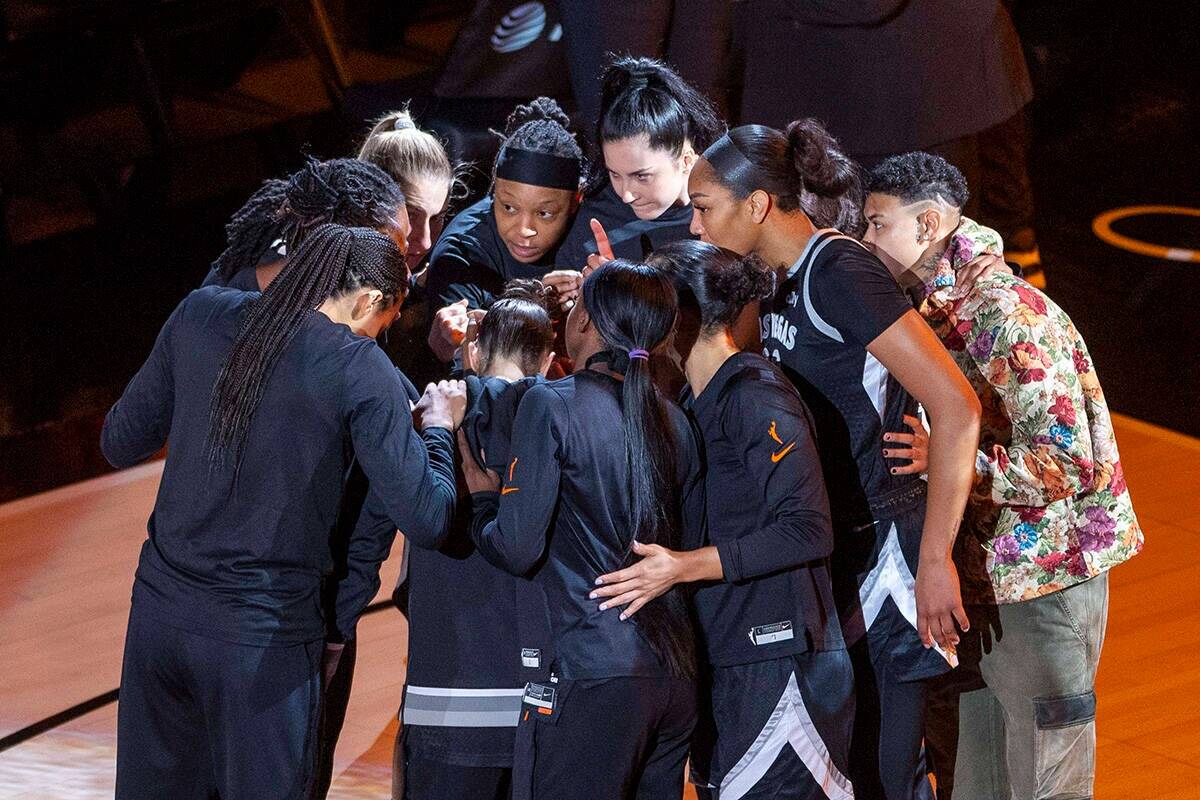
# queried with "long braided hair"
point(333, 260)
point(344, 191)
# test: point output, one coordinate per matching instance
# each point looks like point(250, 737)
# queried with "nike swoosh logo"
point(510, 489)
point(775, 457)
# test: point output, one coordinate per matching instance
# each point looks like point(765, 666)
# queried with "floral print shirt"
point(1050, 508)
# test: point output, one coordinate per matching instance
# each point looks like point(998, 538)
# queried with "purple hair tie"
point(638, 352)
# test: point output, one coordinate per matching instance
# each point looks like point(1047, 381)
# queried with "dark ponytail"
point(645, 96)
point(633, 307)
point(344, 191)
point(717, 281)
point(333, 260)
point(804, 168)
point(829, 182)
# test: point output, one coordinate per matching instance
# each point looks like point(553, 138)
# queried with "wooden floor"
point(67, 559)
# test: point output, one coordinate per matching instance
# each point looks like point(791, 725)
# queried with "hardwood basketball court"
point(67, 558)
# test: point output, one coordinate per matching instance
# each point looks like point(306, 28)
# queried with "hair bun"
point(632, 72)
point(534, 291)
point(309, 195)
point(540, 108)
point(743, 281)
point(402, 121)
point(820, 164)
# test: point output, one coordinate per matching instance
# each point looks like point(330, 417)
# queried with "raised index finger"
point(602, 245)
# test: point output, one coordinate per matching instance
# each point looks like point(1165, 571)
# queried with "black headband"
point(735, 169)
point(537, 169)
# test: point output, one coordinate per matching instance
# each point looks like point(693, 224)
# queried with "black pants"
point(430, 779)
point(608, 739)
point(875, 569)
point(335, 698)
point(887, 761)
point(199, 717)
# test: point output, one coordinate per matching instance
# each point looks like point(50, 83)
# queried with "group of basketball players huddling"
point(685, 485)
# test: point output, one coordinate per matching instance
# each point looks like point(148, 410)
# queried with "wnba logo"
point(521, 27)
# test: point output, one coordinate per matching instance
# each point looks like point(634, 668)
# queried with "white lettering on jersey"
point(777, 327)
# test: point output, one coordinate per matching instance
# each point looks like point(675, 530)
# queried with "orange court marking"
point(1102, 227)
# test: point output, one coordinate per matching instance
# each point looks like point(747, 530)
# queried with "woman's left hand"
point(917, 451)
point(981, 266)
point(477, 479)
point(637, 585)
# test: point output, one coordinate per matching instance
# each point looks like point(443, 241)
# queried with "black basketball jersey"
point(838, 298)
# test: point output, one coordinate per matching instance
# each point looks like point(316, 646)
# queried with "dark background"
point(129, 132)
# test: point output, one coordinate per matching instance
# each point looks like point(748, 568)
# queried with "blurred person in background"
point(890, 76)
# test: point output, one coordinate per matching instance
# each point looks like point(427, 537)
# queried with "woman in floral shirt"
point(1050, 512)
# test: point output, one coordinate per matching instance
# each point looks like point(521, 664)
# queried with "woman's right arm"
point(860, 299)
point(911, 352)
point(455, 293)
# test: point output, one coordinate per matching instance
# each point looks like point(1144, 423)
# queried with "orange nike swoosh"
point(510, 489)
point(775, 457)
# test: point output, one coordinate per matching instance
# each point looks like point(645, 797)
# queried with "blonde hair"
point(398, 147)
